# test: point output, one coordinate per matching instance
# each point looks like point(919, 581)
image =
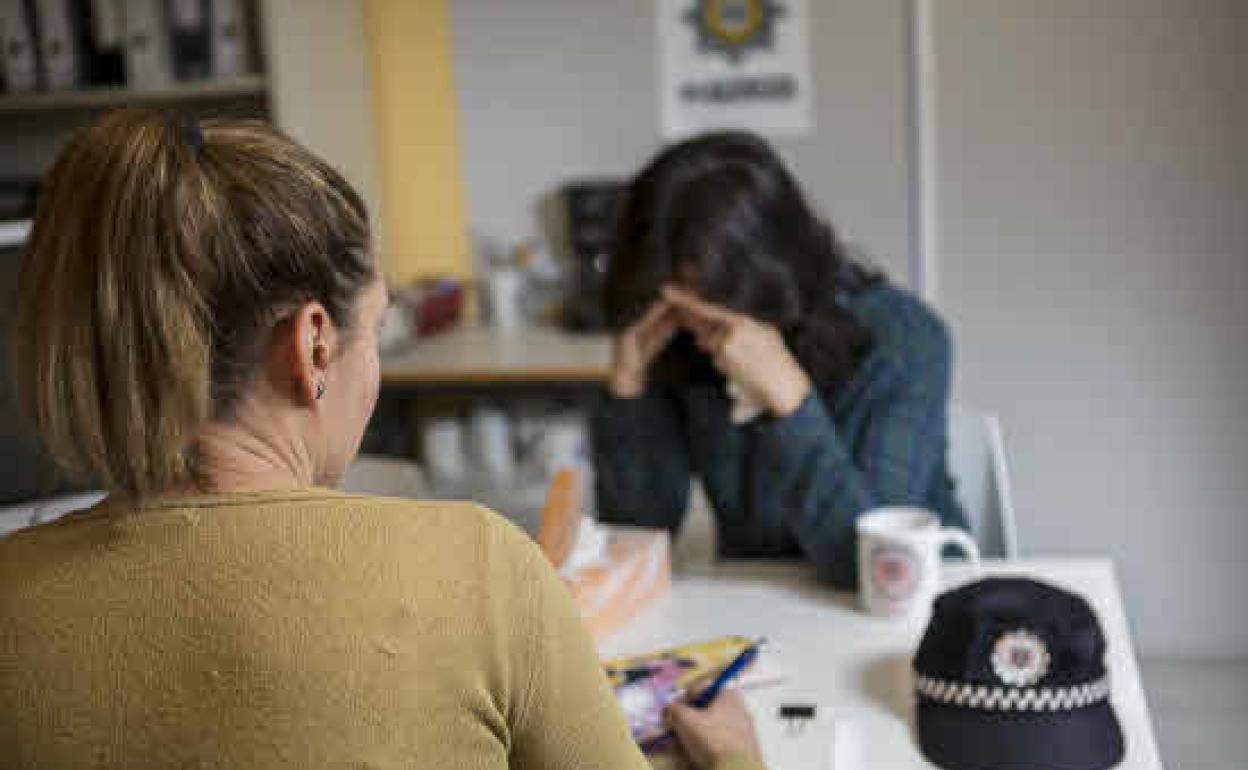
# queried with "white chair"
point(15, 517)
point(56, 507)
point(27, 514)
point(387, 476)
point(372, 475)
point(384, 476)
point(694, 549)
point(977, 463)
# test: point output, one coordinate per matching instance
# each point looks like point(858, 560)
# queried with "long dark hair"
point(723, 209)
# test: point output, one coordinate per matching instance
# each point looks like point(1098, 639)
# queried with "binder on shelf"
point(102, 34)
point(190, 39)
point(148, 59)
point(108, 23)
point(231, 39)
point(17, 198)
point(18, 69)
point(58, 54)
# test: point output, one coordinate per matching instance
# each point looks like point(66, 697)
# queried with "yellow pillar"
point(423, 228)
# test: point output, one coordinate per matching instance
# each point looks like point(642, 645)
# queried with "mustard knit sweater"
point(296, 629)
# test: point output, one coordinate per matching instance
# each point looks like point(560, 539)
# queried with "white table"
point(858, 666)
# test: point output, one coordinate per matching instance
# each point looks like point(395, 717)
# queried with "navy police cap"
point(1011, 675)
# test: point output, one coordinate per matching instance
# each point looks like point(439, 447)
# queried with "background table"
point(858, 666)
point(451, 373)
point(476, 356)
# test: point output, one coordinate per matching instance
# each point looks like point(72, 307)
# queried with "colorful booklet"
point(645, 684)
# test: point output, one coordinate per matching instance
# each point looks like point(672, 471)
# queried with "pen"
point(738, 664)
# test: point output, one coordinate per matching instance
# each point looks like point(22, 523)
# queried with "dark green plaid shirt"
point(795, 485)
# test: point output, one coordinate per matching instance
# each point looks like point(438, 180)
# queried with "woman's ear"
point(313, 338)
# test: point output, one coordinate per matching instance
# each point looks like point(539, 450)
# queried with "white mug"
point(563, 443)
point(899, 559)
point(490, 444)
point(506, 289)
point(442, 444)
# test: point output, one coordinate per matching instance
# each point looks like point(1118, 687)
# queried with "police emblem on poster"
point(735, 64)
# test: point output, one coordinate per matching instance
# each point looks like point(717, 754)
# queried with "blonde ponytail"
point(160, 258)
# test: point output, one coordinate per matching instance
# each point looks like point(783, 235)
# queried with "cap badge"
point(1020, 658)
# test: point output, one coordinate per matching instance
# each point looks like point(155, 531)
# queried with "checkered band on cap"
point(989, 698)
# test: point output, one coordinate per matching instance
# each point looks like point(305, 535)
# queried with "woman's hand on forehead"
point(697, 315)
point(750, 352)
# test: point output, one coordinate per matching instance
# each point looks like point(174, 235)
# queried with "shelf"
point(96, 98)
point(13, 233)
point(491, 356)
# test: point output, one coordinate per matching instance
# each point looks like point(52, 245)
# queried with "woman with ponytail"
point(751, 351)
point(196, 332)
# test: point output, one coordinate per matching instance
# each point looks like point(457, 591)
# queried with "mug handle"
point(960, 538)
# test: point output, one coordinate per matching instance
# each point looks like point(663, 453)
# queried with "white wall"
point(550, 89)
point(1093, 220)
point(1093, 194)
point(319, 85)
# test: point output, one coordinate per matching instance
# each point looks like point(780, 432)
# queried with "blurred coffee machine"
point(591, 207)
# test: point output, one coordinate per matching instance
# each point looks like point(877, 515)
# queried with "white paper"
point(746, 406)
point(795, 744)
point(14, 233)
point(741, 64)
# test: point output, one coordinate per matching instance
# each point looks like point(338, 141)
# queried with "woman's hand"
point(722, 729)
point(751, 353)
point(636, 348)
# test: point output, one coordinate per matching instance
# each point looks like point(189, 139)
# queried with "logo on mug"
point(895, 572)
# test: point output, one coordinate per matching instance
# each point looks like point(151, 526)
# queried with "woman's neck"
point(230, 457)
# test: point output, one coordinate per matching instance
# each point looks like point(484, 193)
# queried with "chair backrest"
point(31, 512)
point(56, 507)
point(977, 463)
point(384, 476)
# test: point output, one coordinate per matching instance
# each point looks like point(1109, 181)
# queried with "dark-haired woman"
point(751, 352)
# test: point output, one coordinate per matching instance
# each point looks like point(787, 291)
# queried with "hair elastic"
point(192, 134)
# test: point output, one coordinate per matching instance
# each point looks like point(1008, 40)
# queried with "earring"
point(320, 390)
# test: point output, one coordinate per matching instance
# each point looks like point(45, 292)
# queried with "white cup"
point(442, 445)
point(562, 443)
point(396, 329)
point(506, 289)
point(490, 441)
point(899, 559)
